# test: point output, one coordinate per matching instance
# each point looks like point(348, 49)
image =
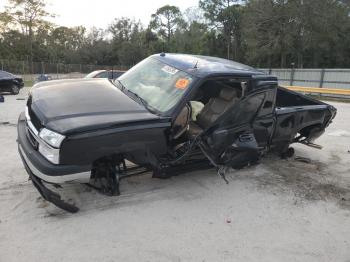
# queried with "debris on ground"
point(303, 159)
point(6, 123)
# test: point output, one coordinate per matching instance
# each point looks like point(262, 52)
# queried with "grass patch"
point(28, 83)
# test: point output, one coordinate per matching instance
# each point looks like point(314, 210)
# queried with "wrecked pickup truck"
point(170, 113)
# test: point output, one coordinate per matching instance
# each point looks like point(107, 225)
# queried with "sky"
point(100, 13)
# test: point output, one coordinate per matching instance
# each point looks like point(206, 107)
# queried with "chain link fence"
point(30, 71)
point(328, 78)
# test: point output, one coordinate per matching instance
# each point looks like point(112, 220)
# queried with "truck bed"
point(288, 98)
point(297, 114)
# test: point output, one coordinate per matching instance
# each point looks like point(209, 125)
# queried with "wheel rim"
point(15, 90)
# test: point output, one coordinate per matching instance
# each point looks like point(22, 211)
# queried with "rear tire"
point(14, 90)
point(288, 153)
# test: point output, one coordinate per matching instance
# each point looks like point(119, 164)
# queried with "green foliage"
point(262, 33)
point(166, 22)
point(226, 17)
point(309, 33)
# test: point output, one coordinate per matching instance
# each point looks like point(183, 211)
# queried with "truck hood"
point(84, 105)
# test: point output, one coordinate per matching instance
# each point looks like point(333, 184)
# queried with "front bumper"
point(43, 169)
point(40, 170)
point(48, 194)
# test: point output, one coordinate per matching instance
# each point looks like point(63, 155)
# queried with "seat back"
point(181, 122)
point(217, 106)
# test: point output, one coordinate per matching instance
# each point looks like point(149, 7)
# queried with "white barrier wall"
point(328, 78)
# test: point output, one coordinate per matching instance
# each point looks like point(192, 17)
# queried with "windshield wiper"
point(120, 84)
point(139, 98)
point(143, 101)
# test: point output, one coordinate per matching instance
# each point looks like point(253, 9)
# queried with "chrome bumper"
point(83, 177)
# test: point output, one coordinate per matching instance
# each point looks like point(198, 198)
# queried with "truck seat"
point(212, 110)
point(180, 125)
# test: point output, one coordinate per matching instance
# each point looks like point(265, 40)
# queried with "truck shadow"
point(5, 93)
point(311, 181)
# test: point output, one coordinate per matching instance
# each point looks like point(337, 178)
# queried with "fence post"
point(2, 65)
point(323, 71)
point(292, 74)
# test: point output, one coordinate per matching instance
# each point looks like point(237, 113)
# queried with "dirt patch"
point(311, 181)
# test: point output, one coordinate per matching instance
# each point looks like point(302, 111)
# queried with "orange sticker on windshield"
point(182, 83)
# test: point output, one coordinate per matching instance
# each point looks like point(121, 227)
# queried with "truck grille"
point(31, 138)
point(35, 120)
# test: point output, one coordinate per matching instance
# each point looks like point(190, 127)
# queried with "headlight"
point(51, 154)
point(52, 138)
point(27, 114)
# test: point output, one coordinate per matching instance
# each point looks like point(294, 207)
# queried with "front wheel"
point(288, 153)
point(15, 90)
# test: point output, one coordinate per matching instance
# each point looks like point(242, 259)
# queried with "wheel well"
point(307, 130)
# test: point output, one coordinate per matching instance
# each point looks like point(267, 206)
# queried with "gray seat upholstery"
point(180, 125)
point(194, 130)
point(213, 109)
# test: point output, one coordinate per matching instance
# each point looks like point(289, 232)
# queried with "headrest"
point(228, 93)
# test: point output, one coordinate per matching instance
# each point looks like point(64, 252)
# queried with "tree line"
point(261, 33)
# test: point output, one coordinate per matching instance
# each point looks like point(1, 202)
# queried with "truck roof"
point(203, 66)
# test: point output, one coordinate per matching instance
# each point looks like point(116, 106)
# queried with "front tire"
point(14, 90)
point(288, 153)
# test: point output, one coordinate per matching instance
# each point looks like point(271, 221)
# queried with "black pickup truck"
point(168, 114)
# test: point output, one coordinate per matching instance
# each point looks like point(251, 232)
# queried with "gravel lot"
point(280, 210)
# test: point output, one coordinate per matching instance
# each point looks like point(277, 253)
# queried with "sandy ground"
point(280, 210)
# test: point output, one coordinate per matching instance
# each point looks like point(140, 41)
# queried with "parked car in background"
point(110, 74)
point(43, 77)
point(10, 83)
